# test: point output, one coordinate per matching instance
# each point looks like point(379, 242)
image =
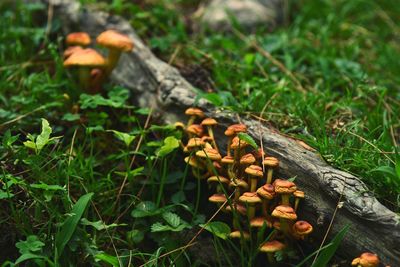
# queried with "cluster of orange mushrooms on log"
point(92, 67)
point(245, 186)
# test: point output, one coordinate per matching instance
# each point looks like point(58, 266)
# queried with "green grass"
point(342, 52)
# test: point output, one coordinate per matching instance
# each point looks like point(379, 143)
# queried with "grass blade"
point(69, 225)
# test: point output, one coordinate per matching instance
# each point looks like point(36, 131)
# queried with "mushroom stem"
point(285, 199)
point(253, 183)
point(231, 173)
point(264, 208)
point(296, 203)
point(284, 226)
point(112, 59)
point(84, 77)
point(237, 194)
point(228, 148)
point(271, 258)
point(251, 211)
point(269, 176)
point(191, 120)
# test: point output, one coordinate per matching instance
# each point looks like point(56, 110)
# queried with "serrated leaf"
point(248, 139)
point(170, 144)
point(31, 244)
point(172, 219)
point(158, 227)
point(219, 229)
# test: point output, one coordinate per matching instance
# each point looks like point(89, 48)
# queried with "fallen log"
point(157, 85)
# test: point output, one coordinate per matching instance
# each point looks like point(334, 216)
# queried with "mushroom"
point(245, 161)
point(209, 123)
point(96, 79)
point(284, 188)
point(193, 113)
point(229, 161)
point(116, 44)
point(78, 39)
point(266, 192)
point(298, 195)
point(219, 181)
point(254, 172)
point(242, 235)
point(258, 222)
point(367, 259)
point(301, 229)
point(285, 214)
point(218, 199)
point(70, 50)
point(85, 60)
point(270, 163)
point(238, 184)
point(197, 166)
point(194, 143)
point(251, 199)
point(238, 146)
point(208, 155)
point(195, 130)
point(231, 132)
point(270, 248)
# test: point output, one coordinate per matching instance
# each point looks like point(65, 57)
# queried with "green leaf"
point(171, 218)
point(30, 144)
point(28, 256)
point(248, 139)
point(159, 227)
point(135, 236)
point(170, 144)
point(327, 252)
point(69, 225)
point(219, 229)
point(145, 209)
point(99, 225)
point(44, 137)
point(31, 244)
point(71, 117)
point(48, 187)
point(124, 137)
point(108, 259)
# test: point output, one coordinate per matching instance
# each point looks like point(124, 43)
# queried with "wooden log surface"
point(157, 85)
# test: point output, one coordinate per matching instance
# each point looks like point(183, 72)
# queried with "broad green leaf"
point(124, 137)
point(219, 229)
point(159, 227)
point(108, 259)
point(248, 139)
point(170, 144)
point(171, 218)
point(69, 225)
point(5, 195)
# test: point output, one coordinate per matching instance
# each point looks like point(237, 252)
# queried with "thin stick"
point(70, 158)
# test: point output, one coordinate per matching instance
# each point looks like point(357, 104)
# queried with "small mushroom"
point(229, 161)
point(245, 161)
point(193, 113)
point(367, 259)
point(116, 43)
point(78, 39)
point(270, 163)
point(209, 123)
point(298, 195)
point(242, 235)
point(266, 192)
point(208, 155)
point(85, 60)
point(70, 50)
point(285, 214)
point(231, 132)
point(238, 184)
point(285, 188)
point(270, 248)
point(194, 144)
point(301, 229)
point(219, 181)
point(258, 222)
point(218, 199)
point(195, 130)
point(255, 173)
point(251, 199)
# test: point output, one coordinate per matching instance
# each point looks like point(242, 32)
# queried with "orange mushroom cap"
point(115, 40)
point(78, 38)
point(85, 57)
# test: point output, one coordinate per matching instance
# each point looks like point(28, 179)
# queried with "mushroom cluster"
point(259, 200)
point(92, 67)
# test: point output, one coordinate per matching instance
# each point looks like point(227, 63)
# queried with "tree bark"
point(157, 85)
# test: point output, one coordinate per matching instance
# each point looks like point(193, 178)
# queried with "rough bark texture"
point(156, 84)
